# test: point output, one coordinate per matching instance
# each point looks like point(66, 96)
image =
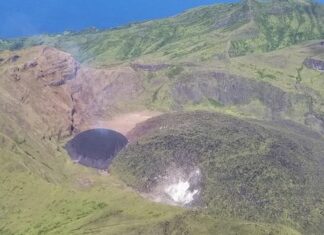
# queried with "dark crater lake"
point(96, 148)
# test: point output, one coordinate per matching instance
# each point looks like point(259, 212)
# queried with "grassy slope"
point(43, 192)
point(281, 24)
point(40, 191)
point(62, 198)
point(202, 33)
point(282, 68)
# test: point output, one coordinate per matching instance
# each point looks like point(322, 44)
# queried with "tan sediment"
point(126, 122)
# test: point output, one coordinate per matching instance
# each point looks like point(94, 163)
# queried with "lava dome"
point(96, 148)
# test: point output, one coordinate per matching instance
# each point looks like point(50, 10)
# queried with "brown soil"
point(126, 122)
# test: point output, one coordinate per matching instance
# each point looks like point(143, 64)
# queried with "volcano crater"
point(96, 148)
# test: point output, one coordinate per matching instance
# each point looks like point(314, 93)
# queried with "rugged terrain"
point(254, 171)
point(243, 85)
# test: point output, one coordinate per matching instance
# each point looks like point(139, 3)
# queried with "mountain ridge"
point(199, 24)
point(242, 92)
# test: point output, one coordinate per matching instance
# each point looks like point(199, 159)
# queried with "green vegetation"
point(250, 170)
point(249, 26)
point(70, 199)
point(263, 75)
point(281, 24)
point(174, 71)
point(299, 70)
point(262, 176)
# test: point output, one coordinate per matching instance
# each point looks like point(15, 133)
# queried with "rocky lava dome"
point(229, 166)
point(96, 148)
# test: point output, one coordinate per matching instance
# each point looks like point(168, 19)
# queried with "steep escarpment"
point(32, 91)
point(59, 96)
point(250, 97)
point(54, 65)
point(226, 90)
point(98, 94)
point(230, 167)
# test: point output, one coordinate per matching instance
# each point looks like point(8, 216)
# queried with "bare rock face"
point(228, 90)
point(26, 80)
point(56, 67)
point(314, 64)
point(48, 65)
point(99, 93)
point(13, 58)
point(47, 91)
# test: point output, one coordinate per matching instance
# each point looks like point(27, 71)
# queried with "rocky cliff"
point(314, 64)
point(48, 91)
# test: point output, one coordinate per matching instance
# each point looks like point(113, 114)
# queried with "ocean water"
point(29, 17)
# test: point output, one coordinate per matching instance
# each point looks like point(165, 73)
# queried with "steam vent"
point(96, 148)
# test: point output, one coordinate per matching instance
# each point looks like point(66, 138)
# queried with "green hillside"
point(43, 192)
point(203, 33)
point(241, 105)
